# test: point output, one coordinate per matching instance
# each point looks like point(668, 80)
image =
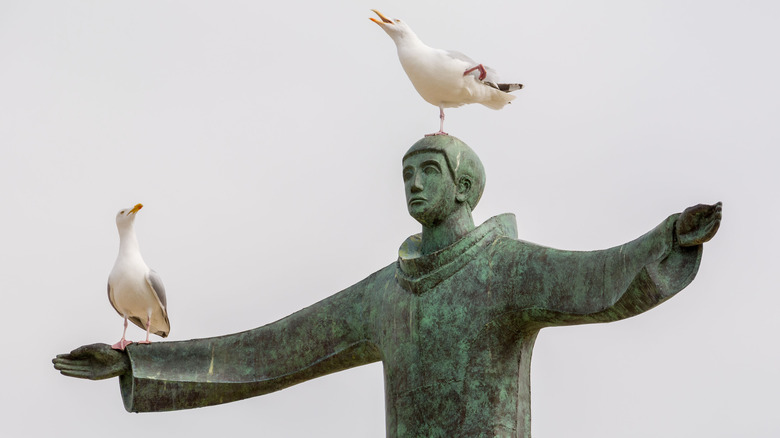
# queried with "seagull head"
point(396, 28)
point(126, 216)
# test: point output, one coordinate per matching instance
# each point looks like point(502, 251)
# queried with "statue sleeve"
point(557, 287)
point(327, 337)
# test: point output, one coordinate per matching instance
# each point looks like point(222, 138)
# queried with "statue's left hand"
point(698, 224)
point(94, 362)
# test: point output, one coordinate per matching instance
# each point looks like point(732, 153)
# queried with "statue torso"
point(452, 355)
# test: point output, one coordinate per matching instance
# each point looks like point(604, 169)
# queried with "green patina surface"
point(453, 319)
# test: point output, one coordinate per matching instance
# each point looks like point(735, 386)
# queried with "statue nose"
point(416, 184)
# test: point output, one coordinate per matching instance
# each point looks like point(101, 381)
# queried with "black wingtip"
point(508, 88)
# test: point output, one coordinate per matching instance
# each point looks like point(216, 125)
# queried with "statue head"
point(433, 194)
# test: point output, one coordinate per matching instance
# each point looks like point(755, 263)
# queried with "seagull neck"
point(408, 40)
point(128, 243)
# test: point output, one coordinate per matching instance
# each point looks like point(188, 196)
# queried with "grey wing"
point(111, 299)
point(157, 286)
point(492, 75)
point(462, 56)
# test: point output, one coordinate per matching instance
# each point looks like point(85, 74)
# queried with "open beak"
point(384, 19)
point(136, 208)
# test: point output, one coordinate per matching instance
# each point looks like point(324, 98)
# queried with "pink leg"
point(122, 342)
point(482, 72)
point(441, 124)
point(148, 328)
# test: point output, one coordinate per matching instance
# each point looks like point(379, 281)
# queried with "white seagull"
point(443, 78)
point(136, 292)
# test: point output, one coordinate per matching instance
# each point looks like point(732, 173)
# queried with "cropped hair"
point(461, 160)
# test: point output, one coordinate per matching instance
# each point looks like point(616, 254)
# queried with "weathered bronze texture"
point(453, 319)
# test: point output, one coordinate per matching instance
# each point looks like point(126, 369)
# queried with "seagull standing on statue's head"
point(136, 291)
point(444, 78)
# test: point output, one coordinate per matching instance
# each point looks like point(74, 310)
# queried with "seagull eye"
point(122, 212)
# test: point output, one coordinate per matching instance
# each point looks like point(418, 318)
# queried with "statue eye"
point(431, 169)
point(407, 175)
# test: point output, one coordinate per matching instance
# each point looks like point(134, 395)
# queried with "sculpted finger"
point(70, 365)
point(60, 360)
point(701, 235)
point(712, 229)
point(718, 210)
point(75, 371)
point(66, 356)
point(712, 222)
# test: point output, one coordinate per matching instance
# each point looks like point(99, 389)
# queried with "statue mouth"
point(416, 200)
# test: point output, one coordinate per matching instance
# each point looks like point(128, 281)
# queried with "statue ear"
point(464, 186)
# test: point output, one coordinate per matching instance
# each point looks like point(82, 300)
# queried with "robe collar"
point(420, 273)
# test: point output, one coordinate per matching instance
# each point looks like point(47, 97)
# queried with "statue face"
point(430, 190)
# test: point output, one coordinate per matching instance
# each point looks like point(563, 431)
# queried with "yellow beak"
point(384, 19)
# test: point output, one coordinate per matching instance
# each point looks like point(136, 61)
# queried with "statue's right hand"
point(94, 362)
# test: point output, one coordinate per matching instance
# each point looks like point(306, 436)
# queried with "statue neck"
point(445, 233)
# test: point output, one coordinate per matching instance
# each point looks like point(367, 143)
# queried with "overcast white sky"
point(265, 143)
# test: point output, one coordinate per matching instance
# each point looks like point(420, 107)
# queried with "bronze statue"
point(453, 320)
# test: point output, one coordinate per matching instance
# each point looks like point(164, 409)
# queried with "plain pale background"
point(265, 143)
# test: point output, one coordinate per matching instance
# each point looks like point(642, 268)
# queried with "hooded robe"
point(454, 330)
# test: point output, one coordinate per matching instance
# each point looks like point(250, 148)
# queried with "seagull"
point(136, 292)
point(443, 78)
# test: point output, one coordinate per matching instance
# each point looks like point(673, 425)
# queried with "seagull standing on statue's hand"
point(444, 78)
point(136, 291)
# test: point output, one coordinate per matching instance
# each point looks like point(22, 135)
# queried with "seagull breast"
point(132, 294)
point(436, 76)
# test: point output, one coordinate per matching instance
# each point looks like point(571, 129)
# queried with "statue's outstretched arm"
point(558, 287)
point(328, 336)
